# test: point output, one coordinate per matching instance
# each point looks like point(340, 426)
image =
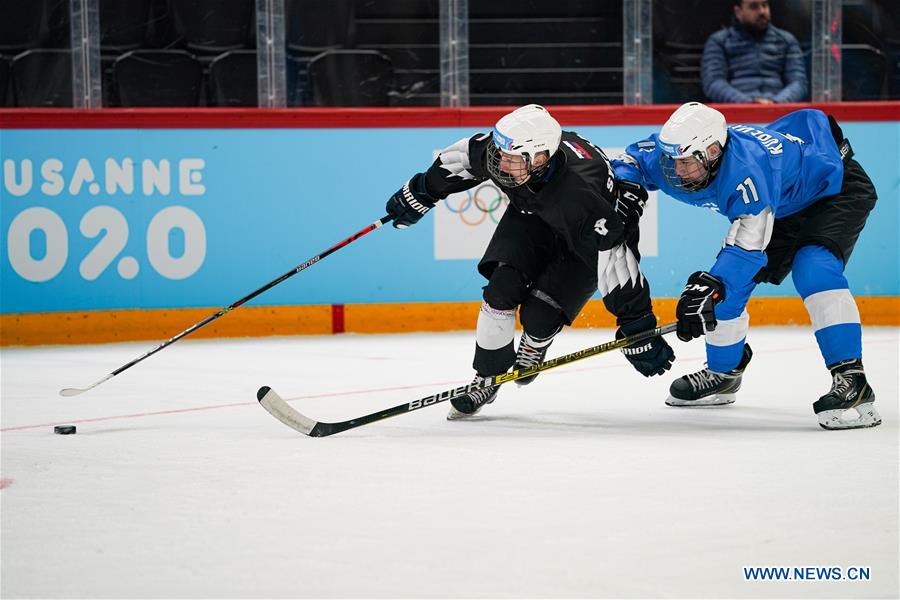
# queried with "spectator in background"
point(753, 61)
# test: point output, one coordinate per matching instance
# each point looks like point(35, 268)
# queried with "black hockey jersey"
point(576, 197)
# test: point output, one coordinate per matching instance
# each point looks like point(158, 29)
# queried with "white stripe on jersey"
point(455, 159)
point(616, 267)
point(751, 232)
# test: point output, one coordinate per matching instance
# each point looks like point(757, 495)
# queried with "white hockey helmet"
point(689, 133)
point(526, 132)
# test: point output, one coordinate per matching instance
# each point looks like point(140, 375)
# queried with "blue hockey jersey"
point(765, 173)
point(789, 163)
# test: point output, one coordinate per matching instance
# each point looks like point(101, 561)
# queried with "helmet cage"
point(509, 180)
point(667, 165)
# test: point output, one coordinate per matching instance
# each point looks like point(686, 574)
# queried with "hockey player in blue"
point(797, 202)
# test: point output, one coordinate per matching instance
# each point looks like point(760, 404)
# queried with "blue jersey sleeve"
point(736, 268)
point(748, 198)
point(637, 164)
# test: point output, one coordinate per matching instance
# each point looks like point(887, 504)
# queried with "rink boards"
point(124, 225)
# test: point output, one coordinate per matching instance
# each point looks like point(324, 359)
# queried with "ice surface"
point(583, 484)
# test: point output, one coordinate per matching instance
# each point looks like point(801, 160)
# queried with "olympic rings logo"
point(485, 201)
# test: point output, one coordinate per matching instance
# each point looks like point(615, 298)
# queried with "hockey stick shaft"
point(280, 409)
point(382, 221)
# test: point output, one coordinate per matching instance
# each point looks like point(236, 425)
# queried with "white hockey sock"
point(495, 328)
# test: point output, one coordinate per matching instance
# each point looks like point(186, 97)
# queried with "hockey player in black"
point(565, 235)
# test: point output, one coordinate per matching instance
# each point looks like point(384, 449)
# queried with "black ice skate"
point(471, 403)
point(849, 390)
point(706, 388)
point(531, 352)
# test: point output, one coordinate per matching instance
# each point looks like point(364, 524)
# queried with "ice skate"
point(850, 404)
point(707, 388)
point(471, 403)
point(531, 352)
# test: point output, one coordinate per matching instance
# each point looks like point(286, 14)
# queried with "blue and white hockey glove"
point(410, 203)
point(649, 357)
point(696, 310)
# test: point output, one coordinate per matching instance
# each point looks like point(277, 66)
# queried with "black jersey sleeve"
point(625, 290)
point(613, 245)
point(592, 229)
point(458, 167)
point(626, 293)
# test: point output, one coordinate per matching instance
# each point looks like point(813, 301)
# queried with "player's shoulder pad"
point(579, 148)
point(583, 157)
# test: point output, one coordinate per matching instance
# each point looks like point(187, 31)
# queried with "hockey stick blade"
point(281, 410)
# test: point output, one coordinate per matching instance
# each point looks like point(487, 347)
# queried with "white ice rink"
point(584, 484)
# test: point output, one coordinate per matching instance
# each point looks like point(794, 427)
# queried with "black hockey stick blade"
point(297, 421)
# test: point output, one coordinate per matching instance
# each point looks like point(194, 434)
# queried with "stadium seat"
point(4, 82)
point(146, 78)
point(894, 69)
point(42, 78)
point(680, 30)
point(313, 26)
point(213, 26)
point(351, 78)
point(676, 74)
point(560, 52)
point(123, 24)
point(23, 24)
point(864, 72)
point(233, 79)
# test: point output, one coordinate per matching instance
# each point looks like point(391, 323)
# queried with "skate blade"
point(867, 416)
point(455, 415)
point(716, 400)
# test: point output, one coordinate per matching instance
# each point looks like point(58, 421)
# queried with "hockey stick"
point(280, 409)
point(382, 221)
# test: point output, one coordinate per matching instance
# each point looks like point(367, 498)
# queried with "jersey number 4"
point(743, 187)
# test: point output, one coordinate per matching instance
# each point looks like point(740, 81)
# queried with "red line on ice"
point(345, 393)
point(216, 406)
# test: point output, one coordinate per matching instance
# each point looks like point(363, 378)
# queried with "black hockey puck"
point(64, 429)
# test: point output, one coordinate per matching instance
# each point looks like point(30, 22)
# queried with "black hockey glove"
point(410, 203)
point(649, 357)
point(696, 310)
point(630, 201)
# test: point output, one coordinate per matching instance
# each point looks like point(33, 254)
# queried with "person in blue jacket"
point(753, 61)
point(797, 202)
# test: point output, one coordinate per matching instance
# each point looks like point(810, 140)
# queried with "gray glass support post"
point(84, 20)
point(827, 34)
point(454, 52)
point(271, 65)
point(637, 51)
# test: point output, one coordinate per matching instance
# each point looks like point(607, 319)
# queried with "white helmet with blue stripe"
point(525, 132)
point(689, 133)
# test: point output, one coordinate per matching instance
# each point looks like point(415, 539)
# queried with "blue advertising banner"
point(135, 218)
